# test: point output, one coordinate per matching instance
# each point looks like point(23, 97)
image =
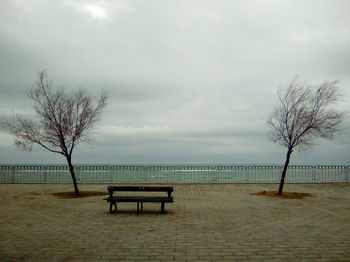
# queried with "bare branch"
point(64, 120)
point(304, 114)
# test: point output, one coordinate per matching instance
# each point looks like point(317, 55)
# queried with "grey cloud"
point(188, 80)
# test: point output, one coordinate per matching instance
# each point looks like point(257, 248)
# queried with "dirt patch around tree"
point(285, 195)
point(67, 195)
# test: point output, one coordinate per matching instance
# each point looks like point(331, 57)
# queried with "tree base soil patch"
point(285, 195)
point(67, 195)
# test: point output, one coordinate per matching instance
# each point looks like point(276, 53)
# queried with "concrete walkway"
point(220, 222)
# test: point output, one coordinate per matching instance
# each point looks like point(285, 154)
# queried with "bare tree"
point(65, 120)
point(303, 115)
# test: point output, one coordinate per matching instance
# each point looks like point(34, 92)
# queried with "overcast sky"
point(188, 81)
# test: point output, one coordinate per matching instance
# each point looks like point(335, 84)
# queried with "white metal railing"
point(173, 173)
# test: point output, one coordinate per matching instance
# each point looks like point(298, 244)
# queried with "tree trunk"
point(72, 173)
point(284, 172)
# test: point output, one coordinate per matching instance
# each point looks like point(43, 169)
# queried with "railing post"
point(77, 173)
point(110, 170)
point(346, 173)
point(13, 175)
point(313, 172)
point(45, 174)
point(246, 174)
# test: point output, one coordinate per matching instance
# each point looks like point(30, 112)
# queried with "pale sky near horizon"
point(188, 81)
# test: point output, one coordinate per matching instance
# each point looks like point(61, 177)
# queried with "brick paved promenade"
point(206, 223)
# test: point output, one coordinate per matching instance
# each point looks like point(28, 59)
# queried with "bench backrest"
point(168, 189)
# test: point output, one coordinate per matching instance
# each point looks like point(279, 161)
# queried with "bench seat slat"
point(141, 199)
point(112, 189)
point(140, 188)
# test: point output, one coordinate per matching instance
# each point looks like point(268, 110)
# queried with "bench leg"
point(111, 209)
point(162, 209)
point(138, 207)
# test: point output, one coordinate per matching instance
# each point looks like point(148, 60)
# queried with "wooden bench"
point(138, 199)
